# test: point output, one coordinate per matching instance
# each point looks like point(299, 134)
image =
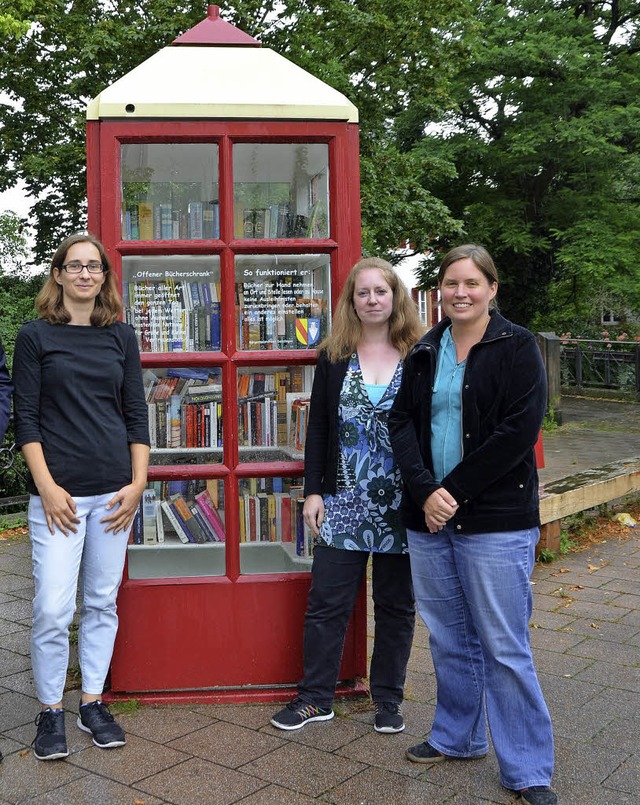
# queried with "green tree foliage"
point(544, 138)
point(390, 57)
point(15, 17)
point(17, 293)
point(17, 288)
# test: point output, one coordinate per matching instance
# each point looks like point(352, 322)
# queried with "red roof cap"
point(215, 31)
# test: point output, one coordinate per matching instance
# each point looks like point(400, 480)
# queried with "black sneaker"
point(50, 742)
point(424, 753)
point(96, 719)
point(298, 713)
point(388, 717)
point(537, 795)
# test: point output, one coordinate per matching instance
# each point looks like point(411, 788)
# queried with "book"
point(149, 505)
point(166, 221)
point(145, 220)
point(137, 535)
point(175, 523)
point(262, 514)
point(211, 220)
point(193, 527)
point(159, 523)
point(304, 535)
point(195, 220)
point(209, 510)
point(204, 524)
point(297, 418)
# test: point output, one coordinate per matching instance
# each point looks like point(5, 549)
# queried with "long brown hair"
point(405, 327)
point(50, 301)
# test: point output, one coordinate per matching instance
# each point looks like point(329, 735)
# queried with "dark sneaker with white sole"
point(424, 753)
point(388, 717)
point(298, 713)
point(537, 795)
point(96, 719)
point(50, 742)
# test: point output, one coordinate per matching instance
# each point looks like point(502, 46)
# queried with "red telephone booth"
point(224, 182)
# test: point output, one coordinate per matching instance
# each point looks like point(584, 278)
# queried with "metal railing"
point(12, 503)
point(590, 364)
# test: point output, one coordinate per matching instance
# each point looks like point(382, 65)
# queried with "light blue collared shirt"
point(446, 409)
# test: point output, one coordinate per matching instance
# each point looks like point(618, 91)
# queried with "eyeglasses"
point(76, 268)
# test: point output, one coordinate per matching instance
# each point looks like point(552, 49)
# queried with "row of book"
point(146, 220)
point(185, 407)
point(173, 316)
point(276, 517)
point(268, 512)
point(177, 315)
point(195, 521)
point(200, 220)
point(274, 221)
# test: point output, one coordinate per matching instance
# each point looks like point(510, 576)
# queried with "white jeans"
point(98, 557)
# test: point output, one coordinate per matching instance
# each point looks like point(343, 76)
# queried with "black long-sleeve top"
point(322, 445)
point(79, 392)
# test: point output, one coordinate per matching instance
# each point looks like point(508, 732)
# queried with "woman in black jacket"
point(352, 496)
point(463, 429)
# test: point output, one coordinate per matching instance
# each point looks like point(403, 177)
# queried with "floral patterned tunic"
point(364, 515)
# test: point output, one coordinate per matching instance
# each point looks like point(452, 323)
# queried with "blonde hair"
point(50, 301)
point(405, 327)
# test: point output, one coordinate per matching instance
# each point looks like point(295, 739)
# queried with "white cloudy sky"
point(14, 201)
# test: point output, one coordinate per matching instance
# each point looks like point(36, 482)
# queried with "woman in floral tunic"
point(352, 497)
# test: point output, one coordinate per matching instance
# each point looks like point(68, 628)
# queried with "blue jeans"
point(336, 578)
point(474, 595)
point(56, 562)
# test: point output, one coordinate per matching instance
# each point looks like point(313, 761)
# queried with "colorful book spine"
point(193, 527)
point(174, 521)
point(207, 506)
point(149, 517)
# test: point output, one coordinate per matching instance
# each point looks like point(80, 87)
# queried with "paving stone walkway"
point(586, 638)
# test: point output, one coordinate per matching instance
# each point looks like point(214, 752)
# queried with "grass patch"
point(129, 707)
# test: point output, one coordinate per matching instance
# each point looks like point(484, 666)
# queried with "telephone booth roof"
point(220, 82)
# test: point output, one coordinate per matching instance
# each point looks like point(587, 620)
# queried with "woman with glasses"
point(81, 421)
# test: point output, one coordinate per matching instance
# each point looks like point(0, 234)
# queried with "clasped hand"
point(438, 509)
point(60, 509)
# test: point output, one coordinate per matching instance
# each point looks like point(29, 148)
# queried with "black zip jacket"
point(322, 445)
point(504, 393)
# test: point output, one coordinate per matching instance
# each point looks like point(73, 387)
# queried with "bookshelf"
point(232, 218)
point(225, 412)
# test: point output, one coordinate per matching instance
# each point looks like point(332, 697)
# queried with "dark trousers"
point(336, 578)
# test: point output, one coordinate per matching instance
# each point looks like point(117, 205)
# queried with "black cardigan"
point(504, 393)
point(322, 446)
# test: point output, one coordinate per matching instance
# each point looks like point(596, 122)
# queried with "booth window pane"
point(273, 536)
point(169, 191)
point(281, 190)
point(282, 301)
point(185, 414)
point(173, 302)
point(273, 408)
point(179, 531)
